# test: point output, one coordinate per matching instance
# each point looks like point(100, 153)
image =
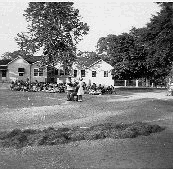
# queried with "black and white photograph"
point(86, 84)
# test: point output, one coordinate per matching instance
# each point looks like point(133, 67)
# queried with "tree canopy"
point(13, 55)
point(143, 52)
point(124, 55)
point(54, 26)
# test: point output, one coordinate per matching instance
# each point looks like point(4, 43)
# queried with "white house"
point(98, 71)
point(91, 70)
point(22, 68)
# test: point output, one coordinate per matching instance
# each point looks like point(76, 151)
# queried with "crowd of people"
point(79, 88)
point(74, 89)
point(36, 86)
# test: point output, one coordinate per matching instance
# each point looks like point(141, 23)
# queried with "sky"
point(103, 18)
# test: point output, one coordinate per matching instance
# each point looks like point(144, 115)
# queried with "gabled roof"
point(29, 59)
point(32, 59)
point(5, 61)
point(86, 62)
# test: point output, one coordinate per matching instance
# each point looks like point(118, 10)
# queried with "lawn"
point(38, 111)
point(17, 99)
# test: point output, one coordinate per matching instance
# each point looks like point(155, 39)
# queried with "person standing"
point(80, 90)
point(69, 89)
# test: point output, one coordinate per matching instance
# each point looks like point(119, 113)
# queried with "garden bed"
point(20, 138)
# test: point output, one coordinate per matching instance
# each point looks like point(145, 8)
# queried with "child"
point(80, 90)
point(69, 89)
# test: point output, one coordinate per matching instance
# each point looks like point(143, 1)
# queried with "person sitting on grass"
point(109, 90)
point(12, 85)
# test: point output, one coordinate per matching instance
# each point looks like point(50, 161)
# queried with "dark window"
point(20, 74)
point(40, 71)
point(35, 72)
point(75, 73)
point(56, 71)
point(82, 73)
point(66, 72)
point(61, 72)
point(93, 73)
point(20, 69)
point(105, 73)
point(4, 73)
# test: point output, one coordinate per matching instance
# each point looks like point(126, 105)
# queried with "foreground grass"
point(20, 138)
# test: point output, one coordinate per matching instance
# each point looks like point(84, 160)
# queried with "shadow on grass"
point(50, 136)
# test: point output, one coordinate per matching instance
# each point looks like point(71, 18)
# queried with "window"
point(38, 72)
point(21, 70)
point(67, 72)
point(35, 72)
point(3, 73)
point(61, 72)
point(82, 73)
point(105, 73)
point(93, 73)
point(20, 74)
point(75, 73)
point(56, 71)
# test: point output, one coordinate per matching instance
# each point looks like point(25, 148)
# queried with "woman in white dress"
point(80, 90)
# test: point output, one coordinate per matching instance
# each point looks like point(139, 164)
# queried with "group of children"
point(94, 89)
point(36, 86)
point(77, 89)
point(74, 90)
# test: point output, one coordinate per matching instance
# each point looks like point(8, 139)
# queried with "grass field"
point(25, 110)
point(33, 109)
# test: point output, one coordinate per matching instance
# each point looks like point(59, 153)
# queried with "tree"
point(55, 27)
point(13, 55)
point(124, 55)
point(144, 52)
point(158, 41)
point(26, 43)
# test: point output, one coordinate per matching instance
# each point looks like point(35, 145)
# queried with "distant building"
point(22, 68)
point(4, 69)
point(92, 71)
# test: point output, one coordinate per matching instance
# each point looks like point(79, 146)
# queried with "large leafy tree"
point(159, 41)
point(124, 55)
point(54, 26)
point(144, 52)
